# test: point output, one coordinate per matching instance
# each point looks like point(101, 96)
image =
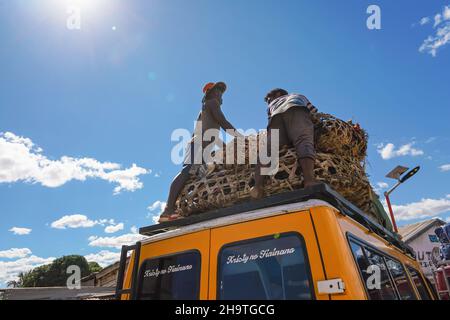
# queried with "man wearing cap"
point(291, 115)
point(210, 117)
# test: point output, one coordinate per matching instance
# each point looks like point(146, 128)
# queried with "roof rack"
point(320, 191)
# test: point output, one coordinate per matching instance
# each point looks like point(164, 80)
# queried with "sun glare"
point(88, 12)
point(85, 4)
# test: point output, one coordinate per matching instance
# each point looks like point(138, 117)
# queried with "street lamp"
point(397, 175)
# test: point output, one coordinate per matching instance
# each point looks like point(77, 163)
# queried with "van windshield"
point(273, 268)
point(175, 277)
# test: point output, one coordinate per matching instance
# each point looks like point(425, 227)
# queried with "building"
point(421, 237)
point(57, 293)
point(97, 286)
point(107, 277)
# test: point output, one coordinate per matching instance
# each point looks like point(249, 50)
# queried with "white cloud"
point(103, 258)
point(445, 167)
point(127, 179)
point(437, 20)
point(14, 253)
point(155, 210)
point(430, 140)
point(389, 151)
point(157, 205)
point(114, 228)
point(20, 231)
point(74, 221)
point(446, 13)
point(433, 43)
point(442, 33)
point(426, 208)
point(424, 21)
point(134, 229)
point(379, 187)
point(9, 270)
point(114, 242)
point(21, 160)
point(382, 185)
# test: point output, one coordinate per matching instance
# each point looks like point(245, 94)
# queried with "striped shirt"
point(282, 104)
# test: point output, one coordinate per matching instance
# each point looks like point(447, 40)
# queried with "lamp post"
point(397, 175)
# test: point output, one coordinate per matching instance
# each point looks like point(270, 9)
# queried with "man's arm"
point(214, 107)
point(195, 128)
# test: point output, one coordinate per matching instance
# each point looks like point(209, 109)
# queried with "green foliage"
point(54, 274)
point(94, 267)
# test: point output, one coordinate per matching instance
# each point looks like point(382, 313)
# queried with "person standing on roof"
point(291, 115)
point(210, 117)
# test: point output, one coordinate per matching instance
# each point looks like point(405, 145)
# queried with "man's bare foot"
point(171, 217)
point(168, 215)
point(256, 193)
point(310, 184)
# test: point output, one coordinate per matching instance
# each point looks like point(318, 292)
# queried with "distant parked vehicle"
point(441, 258)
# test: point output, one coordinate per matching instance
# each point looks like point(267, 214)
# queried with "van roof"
point(236, 218)
point(302, 199)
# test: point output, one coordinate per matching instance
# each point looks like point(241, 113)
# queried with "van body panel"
point(299, 222)
point(334, 231)
point(193, 241)
point(324, 230)
point(336, 253)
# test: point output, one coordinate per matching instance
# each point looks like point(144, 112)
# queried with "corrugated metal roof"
point(412, 231)
point(57, 293)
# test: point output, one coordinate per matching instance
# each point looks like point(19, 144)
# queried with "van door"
point(276, 257)
point(174, 268)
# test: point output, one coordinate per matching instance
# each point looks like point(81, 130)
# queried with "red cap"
point(208, 86)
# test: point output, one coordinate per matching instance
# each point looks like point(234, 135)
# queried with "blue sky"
point(78, 108)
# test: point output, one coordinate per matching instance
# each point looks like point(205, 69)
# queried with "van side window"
point(366, 258)
point(420, 285)
point(402, 283)
point(361, 260)
point(174, 277)
point(269, 268)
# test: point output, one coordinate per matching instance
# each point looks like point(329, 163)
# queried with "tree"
point(54, 274)
point(12, 284)
point(94, 267)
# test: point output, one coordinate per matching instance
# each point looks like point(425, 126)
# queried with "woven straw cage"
point(341, 151)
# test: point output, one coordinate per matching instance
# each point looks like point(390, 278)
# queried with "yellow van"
point(304, 244)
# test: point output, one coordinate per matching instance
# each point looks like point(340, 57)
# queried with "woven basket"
point(341, 151)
